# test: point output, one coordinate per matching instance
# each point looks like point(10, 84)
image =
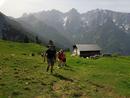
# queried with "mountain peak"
point(73, 10)
point(54, 10)
point(24, 15)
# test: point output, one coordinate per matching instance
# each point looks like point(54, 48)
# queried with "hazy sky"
point(16, 8)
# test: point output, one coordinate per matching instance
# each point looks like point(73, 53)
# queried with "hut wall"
point(89, 53)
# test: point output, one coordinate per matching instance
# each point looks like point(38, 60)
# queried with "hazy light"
point(16, 8)
point(1, 2)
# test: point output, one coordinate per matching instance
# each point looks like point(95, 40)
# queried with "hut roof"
point(88, 47)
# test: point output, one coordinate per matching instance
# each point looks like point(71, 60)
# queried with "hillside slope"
point(23, 75)
point(14, 31)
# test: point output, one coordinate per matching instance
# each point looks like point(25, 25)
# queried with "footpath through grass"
point(23, 75)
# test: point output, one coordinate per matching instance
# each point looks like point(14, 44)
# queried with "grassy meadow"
point(23, 75)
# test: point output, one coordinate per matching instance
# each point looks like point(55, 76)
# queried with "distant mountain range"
point(109, 29)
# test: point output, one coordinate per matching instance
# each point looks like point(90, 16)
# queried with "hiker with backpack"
point(51, 56)
point(61, 58)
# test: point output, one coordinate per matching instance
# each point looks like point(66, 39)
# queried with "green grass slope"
point(24, 76)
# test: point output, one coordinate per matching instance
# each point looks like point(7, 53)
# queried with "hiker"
point(43, 55)
point(51, 57)
point(62, 58)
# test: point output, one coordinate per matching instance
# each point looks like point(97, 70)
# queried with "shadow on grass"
point(68, 66)
point(69, 69)
point(62, 77)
